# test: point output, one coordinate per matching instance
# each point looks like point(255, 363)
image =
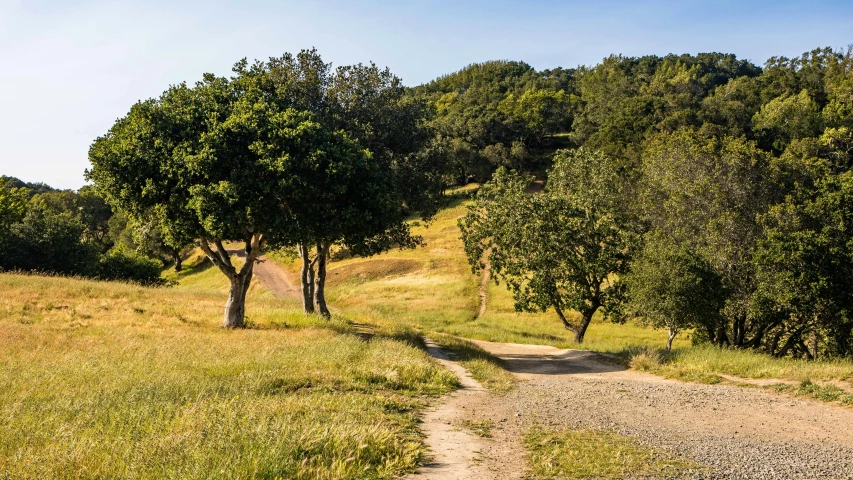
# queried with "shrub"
point(120, 264)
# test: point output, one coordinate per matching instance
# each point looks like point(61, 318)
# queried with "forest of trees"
point(702, 192)
point(698, 192)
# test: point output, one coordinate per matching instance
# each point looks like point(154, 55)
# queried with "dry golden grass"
point(109, 380)
point(442, 297)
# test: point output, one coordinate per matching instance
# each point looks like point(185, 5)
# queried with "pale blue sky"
point(69, 69)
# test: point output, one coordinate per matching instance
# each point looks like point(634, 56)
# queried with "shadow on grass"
point(202, 265)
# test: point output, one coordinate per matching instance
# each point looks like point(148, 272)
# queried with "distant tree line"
point(704, 192)
point(47, 230)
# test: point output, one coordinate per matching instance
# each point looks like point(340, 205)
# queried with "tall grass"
point(109, 380)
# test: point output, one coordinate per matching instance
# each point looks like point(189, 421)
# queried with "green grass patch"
point(483, 366)
point(704, 364)
point(110, 380)
point(585, 453)
point(826, 393)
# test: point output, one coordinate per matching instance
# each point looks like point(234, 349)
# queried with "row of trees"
point(285, 153)
point(73, 233)
point(708, 194)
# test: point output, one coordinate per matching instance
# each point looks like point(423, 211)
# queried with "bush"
point(119, 264)
point(47, 241)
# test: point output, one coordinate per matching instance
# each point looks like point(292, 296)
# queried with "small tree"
point(561, 249)
point(673, 288)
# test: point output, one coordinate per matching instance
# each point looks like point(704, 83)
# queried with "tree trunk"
point(307, 277)
point(562, 317)
point(792, 341)
point(320, 288)
point(176, 255)
point(672, 333)
point(235, 307)
point(586, 318)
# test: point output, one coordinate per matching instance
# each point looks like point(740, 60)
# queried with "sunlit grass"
point(109, 380)
point(432, 289)
point(702, 362)
point(584, 453)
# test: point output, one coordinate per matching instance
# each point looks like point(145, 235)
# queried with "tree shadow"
point(567, 362)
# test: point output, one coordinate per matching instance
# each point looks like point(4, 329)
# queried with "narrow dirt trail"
point(484, 290)
point(455, 452)
point(275, 278)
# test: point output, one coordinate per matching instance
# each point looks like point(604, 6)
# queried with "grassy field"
point(109, 380)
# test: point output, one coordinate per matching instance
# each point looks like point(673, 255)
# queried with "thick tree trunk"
point(235, 307)
point(307, 277)
point(320, 288)
point(672, 333)
point(176, 255)
point(586, 318)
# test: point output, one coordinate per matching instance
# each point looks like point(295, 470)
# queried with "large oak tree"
point(218, 161)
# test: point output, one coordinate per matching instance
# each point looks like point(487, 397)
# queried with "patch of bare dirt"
point(279, 281)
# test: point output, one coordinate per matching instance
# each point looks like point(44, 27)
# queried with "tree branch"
point(257, 242)
point(223, 254)
point(215, 258)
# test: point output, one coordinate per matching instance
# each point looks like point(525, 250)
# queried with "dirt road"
point(735, 432)
point(275, 278)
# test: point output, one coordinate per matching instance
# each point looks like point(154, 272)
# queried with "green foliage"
point(704, 196)
point(497, 114)
point(563, 248)
point(672, 287)
point(47, 241)
point(13, 206)
point(624, 99)
point(119, 264)
point(357, 189)
point(788, 117)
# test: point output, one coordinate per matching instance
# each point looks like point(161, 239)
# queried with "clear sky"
point(68, 68)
